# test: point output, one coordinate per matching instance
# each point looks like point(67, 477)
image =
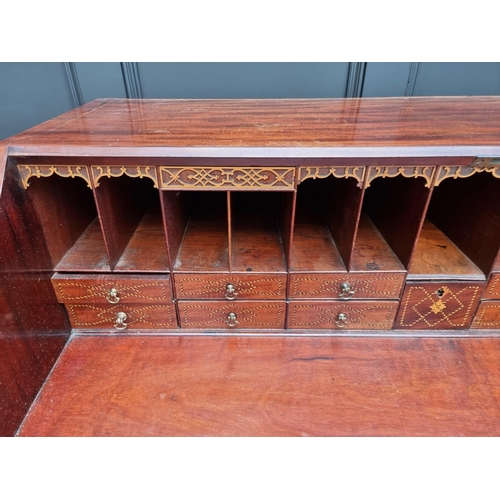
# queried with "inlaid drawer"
point(493, 288)
point(338, 314)
point(488, 315)
point(439, 305)
point(346, 286)
point(122, 318)
point(230, 286)
point(112, 288)
point(216, 315)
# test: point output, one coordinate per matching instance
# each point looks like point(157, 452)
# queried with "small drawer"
point(122, 318)
point(112, 288)
point(488, 315)
point(493, 288)
point(230, 286)
point(439, 305)
point(341, 315)
point(221, 315)
point(346, 286)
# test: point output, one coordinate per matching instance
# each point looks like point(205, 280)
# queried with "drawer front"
point(222, 315)
point(112, 289)
point(230, 286)
point(493, 288)
point(488, 315)
point(341, 315)
point(346, 286)
point(439, 305)
point(138, 316)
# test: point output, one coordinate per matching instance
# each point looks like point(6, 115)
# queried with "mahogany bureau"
point(307, 216)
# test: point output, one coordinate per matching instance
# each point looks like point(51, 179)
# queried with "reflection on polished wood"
point(252, 386)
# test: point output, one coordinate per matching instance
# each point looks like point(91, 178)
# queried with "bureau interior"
point(391, 214)
point(464, 250)
point(325, 223)
point(197, 230)
point(68, 215)
point(258, 232)
point(132, 224)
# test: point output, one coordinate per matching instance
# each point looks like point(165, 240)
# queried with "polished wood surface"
point(493, 288)
point(33, 326)
point(488, 315)
point(130, 386)
point(437, 257)
point(431, 124)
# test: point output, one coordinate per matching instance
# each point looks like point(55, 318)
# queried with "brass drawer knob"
point(231, 319)
point(113, 296)
point(346, 292)
point(120, 324)
point(341, 320)
point(231, 292)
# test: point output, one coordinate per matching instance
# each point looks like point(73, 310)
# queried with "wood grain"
point(435, 124)
point(492, 290)
point(137, 386)
point(487, 315)
point(437, 257)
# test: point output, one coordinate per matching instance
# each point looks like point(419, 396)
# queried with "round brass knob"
point(231, 292)
point(120, 324)
point(341, 320)
point(113, 297)
point(231, 319)
point(346, 292)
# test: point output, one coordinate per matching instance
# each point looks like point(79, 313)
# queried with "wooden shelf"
point(205, 245)
point(88, 253)
point(256, 244)
point(313, 248)
point(146, 250)
point(371, 251)
point(437, 257)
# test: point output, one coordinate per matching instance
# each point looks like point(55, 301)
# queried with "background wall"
point(34, 92)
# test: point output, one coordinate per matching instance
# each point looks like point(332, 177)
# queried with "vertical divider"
point(229, 232)
point(120, 208)
point(343, 214)
point(175, 217)
point(287, 227)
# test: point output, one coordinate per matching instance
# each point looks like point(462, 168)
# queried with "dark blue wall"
point(34, 92)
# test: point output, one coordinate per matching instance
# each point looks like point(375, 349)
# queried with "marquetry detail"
point(488, 315)
point(376, 316)
point(447, 309)
point(155, 291)
point(147, 316)
point(207, 287)
point(381, 286)
point(247, 315)
point(139, 171)
point(38, 171)
point(227, 178)
point(461, 172)
point(427, 172)
point(357, 173)
point(493, 288)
